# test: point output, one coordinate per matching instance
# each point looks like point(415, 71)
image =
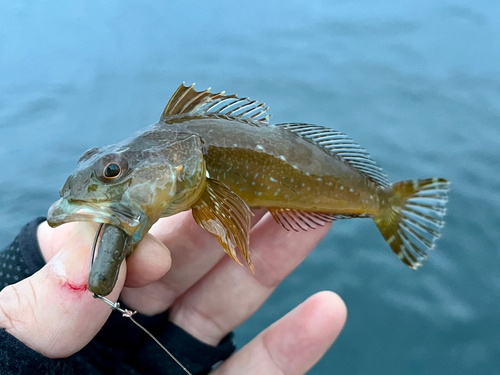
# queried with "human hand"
point(207, 293)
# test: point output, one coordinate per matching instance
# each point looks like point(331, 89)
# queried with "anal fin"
point(223, 213)
point(297, 220)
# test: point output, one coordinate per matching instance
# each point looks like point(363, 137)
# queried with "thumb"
point(52, 311)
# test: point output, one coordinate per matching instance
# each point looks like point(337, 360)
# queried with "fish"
point(219, 156)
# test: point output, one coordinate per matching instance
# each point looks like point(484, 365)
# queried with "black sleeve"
point(22, 258)
point(119, 348)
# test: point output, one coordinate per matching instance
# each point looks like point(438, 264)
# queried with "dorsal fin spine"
point(250, 110)
point(186, 101)
point(201, 94)
point(183, 96)
point(243, 108)
point(226, 107)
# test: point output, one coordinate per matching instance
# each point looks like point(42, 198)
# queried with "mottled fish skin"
point(305, 174)
point(270, 167)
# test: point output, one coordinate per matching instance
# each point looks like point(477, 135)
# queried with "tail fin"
point(413, 221)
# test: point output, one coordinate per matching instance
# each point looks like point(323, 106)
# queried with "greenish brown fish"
point(218, 155)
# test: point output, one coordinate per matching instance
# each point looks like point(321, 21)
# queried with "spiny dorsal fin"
point(188, 101)
point(340, 145)
point(223, 213)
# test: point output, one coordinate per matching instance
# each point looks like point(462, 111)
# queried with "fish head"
point(125, 185)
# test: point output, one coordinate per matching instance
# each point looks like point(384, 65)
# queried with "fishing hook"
point(94, 246)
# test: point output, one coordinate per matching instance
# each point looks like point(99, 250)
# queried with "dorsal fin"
point(340, 145)
point(188, 101)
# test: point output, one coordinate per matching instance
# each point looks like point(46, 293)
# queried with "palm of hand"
point(207, 293)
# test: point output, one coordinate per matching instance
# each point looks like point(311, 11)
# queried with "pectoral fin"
point(224, 214)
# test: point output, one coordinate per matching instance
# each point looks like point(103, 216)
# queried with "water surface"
point(416, 83)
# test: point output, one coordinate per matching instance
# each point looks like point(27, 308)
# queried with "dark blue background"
point(415, 82)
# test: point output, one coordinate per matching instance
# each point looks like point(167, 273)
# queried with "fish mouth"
point(65, 211)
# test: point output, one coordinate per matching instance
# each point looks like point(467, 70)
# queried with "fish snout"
point(66, 189)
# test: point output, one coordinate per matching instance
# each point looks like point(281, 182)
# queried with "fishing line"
point(125, 312)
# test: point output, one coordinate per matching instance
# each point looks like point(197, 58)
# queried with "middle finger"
point(229, 294)
point(194, 252)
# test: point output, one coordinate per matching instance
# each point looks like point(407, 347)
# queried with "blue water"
point(415, 82)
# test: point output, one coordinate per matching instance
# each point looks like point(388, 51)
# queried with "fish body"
point(218, 155)
point(270, 166)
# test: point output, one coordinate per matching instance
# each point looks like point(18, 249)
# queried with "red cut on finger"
point(52, 311)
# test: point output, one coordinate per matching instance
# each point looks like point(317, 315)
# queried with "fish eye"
point(110, 168)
